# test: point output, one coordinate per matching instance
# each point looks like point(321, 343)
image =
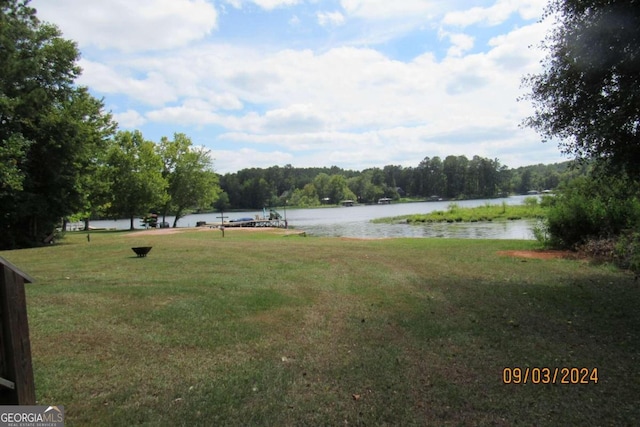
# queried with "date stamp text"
point(550, 375)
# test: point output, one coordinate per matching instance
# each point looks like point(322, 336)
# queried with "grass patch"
point(259, 329)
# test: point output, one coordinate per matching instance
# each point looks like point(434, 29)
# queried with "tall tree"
point(321, 182)
point(430, 177)
point(133, 170)
point(256, 193)
point(188, 171)
point(455, 170)
point(338, 190)
point(50, 129)
point(588, 94)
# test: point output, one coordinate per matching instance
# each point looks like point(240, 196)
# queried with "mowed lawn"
point(261, 329)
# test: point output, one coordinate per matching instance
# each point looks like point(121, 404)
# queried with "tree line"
point(455, 177)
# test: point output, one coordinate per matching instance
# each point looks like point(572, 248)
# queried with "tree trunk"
point(86, 224)
point(165, 209)
point(178, 216)
point(131, 226)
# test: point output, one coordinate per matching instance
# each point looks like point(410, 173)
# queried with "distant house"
point(384, 201)
point(347, 203)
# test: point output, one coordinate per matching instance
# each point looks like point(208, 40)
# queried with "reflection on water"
point(356, 221)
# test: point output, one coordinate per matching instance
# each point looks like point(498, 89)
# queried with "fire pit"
point(142, 251)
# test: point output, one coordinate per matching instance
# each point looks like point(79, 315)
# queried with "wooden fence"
point(16, 371)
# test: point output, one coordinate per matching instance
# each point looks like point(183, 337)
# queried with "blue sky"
point(351, 83)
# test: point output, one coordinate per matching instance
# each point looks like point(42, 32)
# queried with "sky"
point(350, 83)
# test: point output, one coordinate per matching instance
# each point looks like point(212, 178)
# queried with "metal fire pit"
point(142, 251)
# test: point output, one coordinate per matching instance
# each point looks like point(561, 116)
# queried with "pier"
point(277, 223)
point(274, 220)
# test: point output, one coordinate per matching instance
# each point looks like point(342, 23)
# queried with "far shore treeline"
point(454, 177)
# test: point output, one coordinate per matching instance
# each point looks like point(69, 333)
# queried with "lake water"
point(356, 222)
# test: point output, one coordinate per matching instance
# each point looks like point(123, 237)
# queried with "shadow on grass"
point(465, 342)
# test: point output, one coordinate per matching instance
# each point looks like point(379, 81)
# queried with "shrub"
point(603, 249)
point(531, 201)
point(627, 251)
point(546, 201)
point(592, 208)
point(541, 232)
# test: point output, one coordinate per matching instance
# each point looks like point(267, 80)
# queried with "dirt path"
point(539, 254)
point(162, 231)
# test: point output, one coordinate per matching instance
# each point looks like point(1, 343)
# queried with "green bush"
point(627, 251)
point(592, 208)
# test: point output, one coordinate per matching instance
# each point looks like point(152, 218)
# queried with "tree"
point(50, 129)
point(338, 190)
point(321, 182)
point(232, 187)
point(133, 170)
point(256, 193)
point(305, 197)
point(430, 177)
point(13, 153)
point(188, 171)
point(588, 95)
point(455, 170)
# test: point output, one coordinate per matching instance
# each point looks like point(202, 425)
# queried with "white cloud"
point(387, 9)
point(152, 89)
point(130, 119)
point(344, 90)
point(233, 160)
point(495, 14)
point(294, 21)
point(460, 43)
point(235, 3)
point(297, 118)
point(272, 4)
point(379, 21)
point(130, 26)
point(264, 4)
point(518, 52)
point(347, 104)
point(330, 18)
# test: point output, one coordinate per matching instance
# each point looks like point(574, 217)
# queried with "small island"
point(532, 208)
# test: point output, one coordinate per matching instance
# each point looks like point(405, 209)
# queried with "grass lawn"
point(262, 329)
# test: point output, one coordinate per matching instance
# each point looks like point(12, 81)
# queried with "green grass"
point(261, 329)
point(487, 212)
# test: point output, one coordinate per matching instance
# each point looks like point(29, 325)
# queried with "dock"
point(276, 223)
point(272, 220)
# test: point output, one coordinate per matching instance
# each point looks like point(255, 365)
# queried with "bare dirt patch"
point(162, 231)
point(540, 254)
point(157, 231)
